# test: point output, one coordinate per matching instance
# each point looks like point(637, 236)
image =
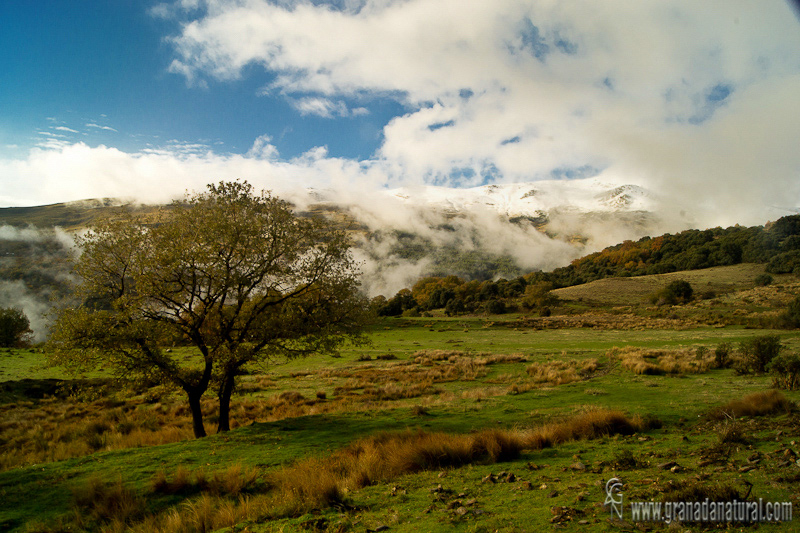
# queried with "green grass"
point(43, 492)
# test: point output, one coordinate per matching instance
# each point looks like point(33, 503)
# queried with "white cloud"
point(99, 127)
point(321, 107)
point(263, 149)
point(76, 171)
point(324, 107)
point(64, 128)
point(683, 96)
point(694, 100)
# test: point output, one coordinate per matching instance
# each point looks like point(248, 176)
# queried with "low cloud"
point(35, 271)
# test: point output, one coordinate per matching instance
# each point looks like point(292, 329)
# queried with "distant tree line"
point(458, 296)
point(777, 245)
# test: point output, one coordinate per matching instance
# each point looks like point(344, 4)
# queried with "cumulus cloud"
point(668, 92)
point(78, 171)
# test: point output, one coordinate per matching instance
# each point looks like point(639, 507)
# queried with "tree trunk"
point(197, 415)
point(225, 392)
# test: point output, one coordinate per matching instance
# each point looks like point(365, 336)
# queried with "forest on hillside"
point(777, 245)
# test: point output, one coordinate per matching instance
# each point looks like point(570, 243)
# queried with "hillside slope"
point(636, 289)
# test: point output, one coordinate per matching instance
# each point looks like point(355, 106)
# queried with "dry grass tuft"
point(231, 481)
point(657, 362)
point(589, 425)
point(319, 483)
point(755, 404)
point(181, 481)
point(98, 502)
point(561, 372)
point(306, 485)
point(59, 429)
point(397, 391)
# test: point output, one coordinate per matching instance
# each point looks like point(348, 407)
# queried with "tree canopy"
point(237, 275)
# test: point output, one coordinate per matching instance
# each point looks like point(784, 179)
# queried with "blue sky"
point(69, 64)
point(694, 100)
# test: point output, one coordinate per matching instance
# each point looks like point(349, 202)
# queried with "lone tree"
point(678, 291)
point(15, 328)
point(237, 275)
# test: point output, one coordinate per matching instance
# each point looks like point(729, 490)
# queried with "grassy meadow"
point(506, 423)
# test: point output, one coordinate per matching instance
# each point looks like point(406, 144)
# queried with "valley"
point(440, 376)
point(479, 403)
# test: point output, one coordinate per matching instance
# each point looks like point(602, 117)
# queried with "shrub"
point(411, 313)
point(678, 291)
point(721, 353)
point(561, 372)
point(791, 317)
point(626, 460)
point(658, 362)
point(455, 306)
point(495, 307)
point(588, 425)
point(732, 432)
point(786, 371)
point(15, 328)
point(762, 280)
point(539, 295)
point(758, 352)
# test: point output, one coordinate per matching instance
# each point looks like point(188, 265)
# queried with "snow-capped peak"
point(523, 199)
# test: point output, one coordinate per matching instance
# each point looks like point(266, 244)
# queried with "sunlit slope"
point(636, 290)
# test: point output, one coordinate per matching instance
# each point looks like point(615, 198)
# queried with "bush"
point(791, 317)
point(758, 352)
point(721, 353)
point(678, 291)
point(786, 371)
point(539, 295)
point(762, 280)
point(454, 307)
point(495, 307)
point(411, 313)
point(15, 328)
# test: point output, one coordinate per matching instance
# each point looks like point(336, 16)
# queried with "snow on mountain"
point(531, 199)
point(409, 232)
